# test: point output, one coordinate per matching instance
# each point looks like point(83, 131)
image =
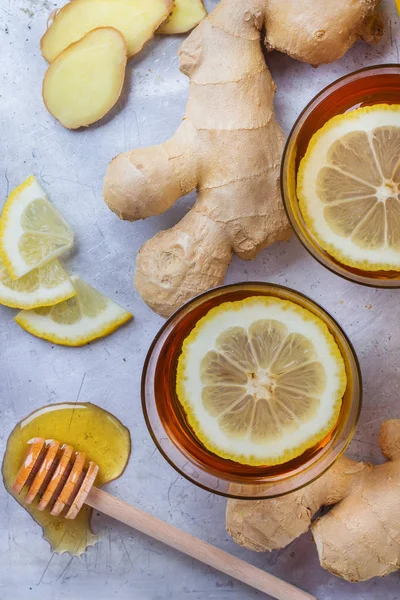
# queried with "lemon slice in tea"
point(44, 286)
point(85, 317)
point(32, 231)
point(349, 187)
point(261, 380)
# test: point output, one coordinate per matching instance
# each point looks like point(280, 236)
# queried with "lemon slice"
point(32, 231)
point(44, 286)
point(85, 317)
point(349, 187)
point(261, 380)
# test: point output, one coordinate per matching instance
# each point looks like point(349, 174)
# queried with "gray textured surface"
point(71, 166)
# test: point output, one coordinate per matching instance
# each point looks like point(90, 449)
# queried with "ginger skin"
point(229, 145)
point(359, 538)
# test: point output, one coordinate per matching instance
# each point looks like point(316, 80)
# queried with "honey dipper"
point(62, 481)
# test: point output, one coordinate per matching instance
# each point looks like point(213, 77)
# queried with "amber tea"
point(366, 88)
point(174, 419)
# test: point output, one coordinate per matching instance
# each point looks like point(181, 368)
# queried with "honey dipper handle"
point(194, 547)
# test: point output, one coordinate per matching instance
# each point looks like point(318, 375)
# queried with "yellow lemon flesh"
point(261, 380)
point(32, 231)
point(85, 317)
point(44, 286)
point(349, 187)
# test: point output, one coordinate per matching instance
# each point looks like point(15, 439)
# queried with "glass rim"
point(170, 321)
point(333, 266)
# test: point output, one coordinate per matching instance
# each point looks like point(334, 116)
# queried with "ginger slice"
point(135, 19)
point(186, 15)
point(85, 80)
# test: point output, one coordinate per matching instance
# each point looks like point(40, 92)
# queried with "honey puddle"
point(89, 429)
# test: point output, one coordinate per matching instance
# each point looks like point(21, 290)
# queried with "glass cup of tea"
point(369, 86)
point(177, 442)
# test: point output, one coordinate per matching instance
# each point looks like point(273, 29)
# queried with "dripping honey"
point(173, 416)
point(87, 428)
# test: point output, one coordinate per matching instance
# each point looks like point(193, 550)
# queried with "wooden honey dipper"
point(62, 482)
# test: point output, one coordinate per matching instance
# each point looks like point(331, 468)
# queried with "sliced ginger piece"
point(186, 15)
point(85, 80)
point(135, 19)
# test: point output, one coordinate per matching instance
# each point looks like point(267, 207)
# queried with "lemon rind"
point(291, 453)
point(5, 219)
point(40, 301)
point(331, 249)
point(73, 342)
point(101, 325)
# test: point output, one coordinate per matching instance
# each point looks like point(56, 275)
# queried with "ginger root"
point(229, 145)
point(185, 15)
point(137, 20)
point(359, 538)
point(85, 81)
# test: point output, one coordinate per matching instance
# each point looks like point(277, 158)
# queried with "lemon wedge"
point(349, 187)
point(85, 317)
point(261, 380)
point(32, 231)
point(44, 286)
